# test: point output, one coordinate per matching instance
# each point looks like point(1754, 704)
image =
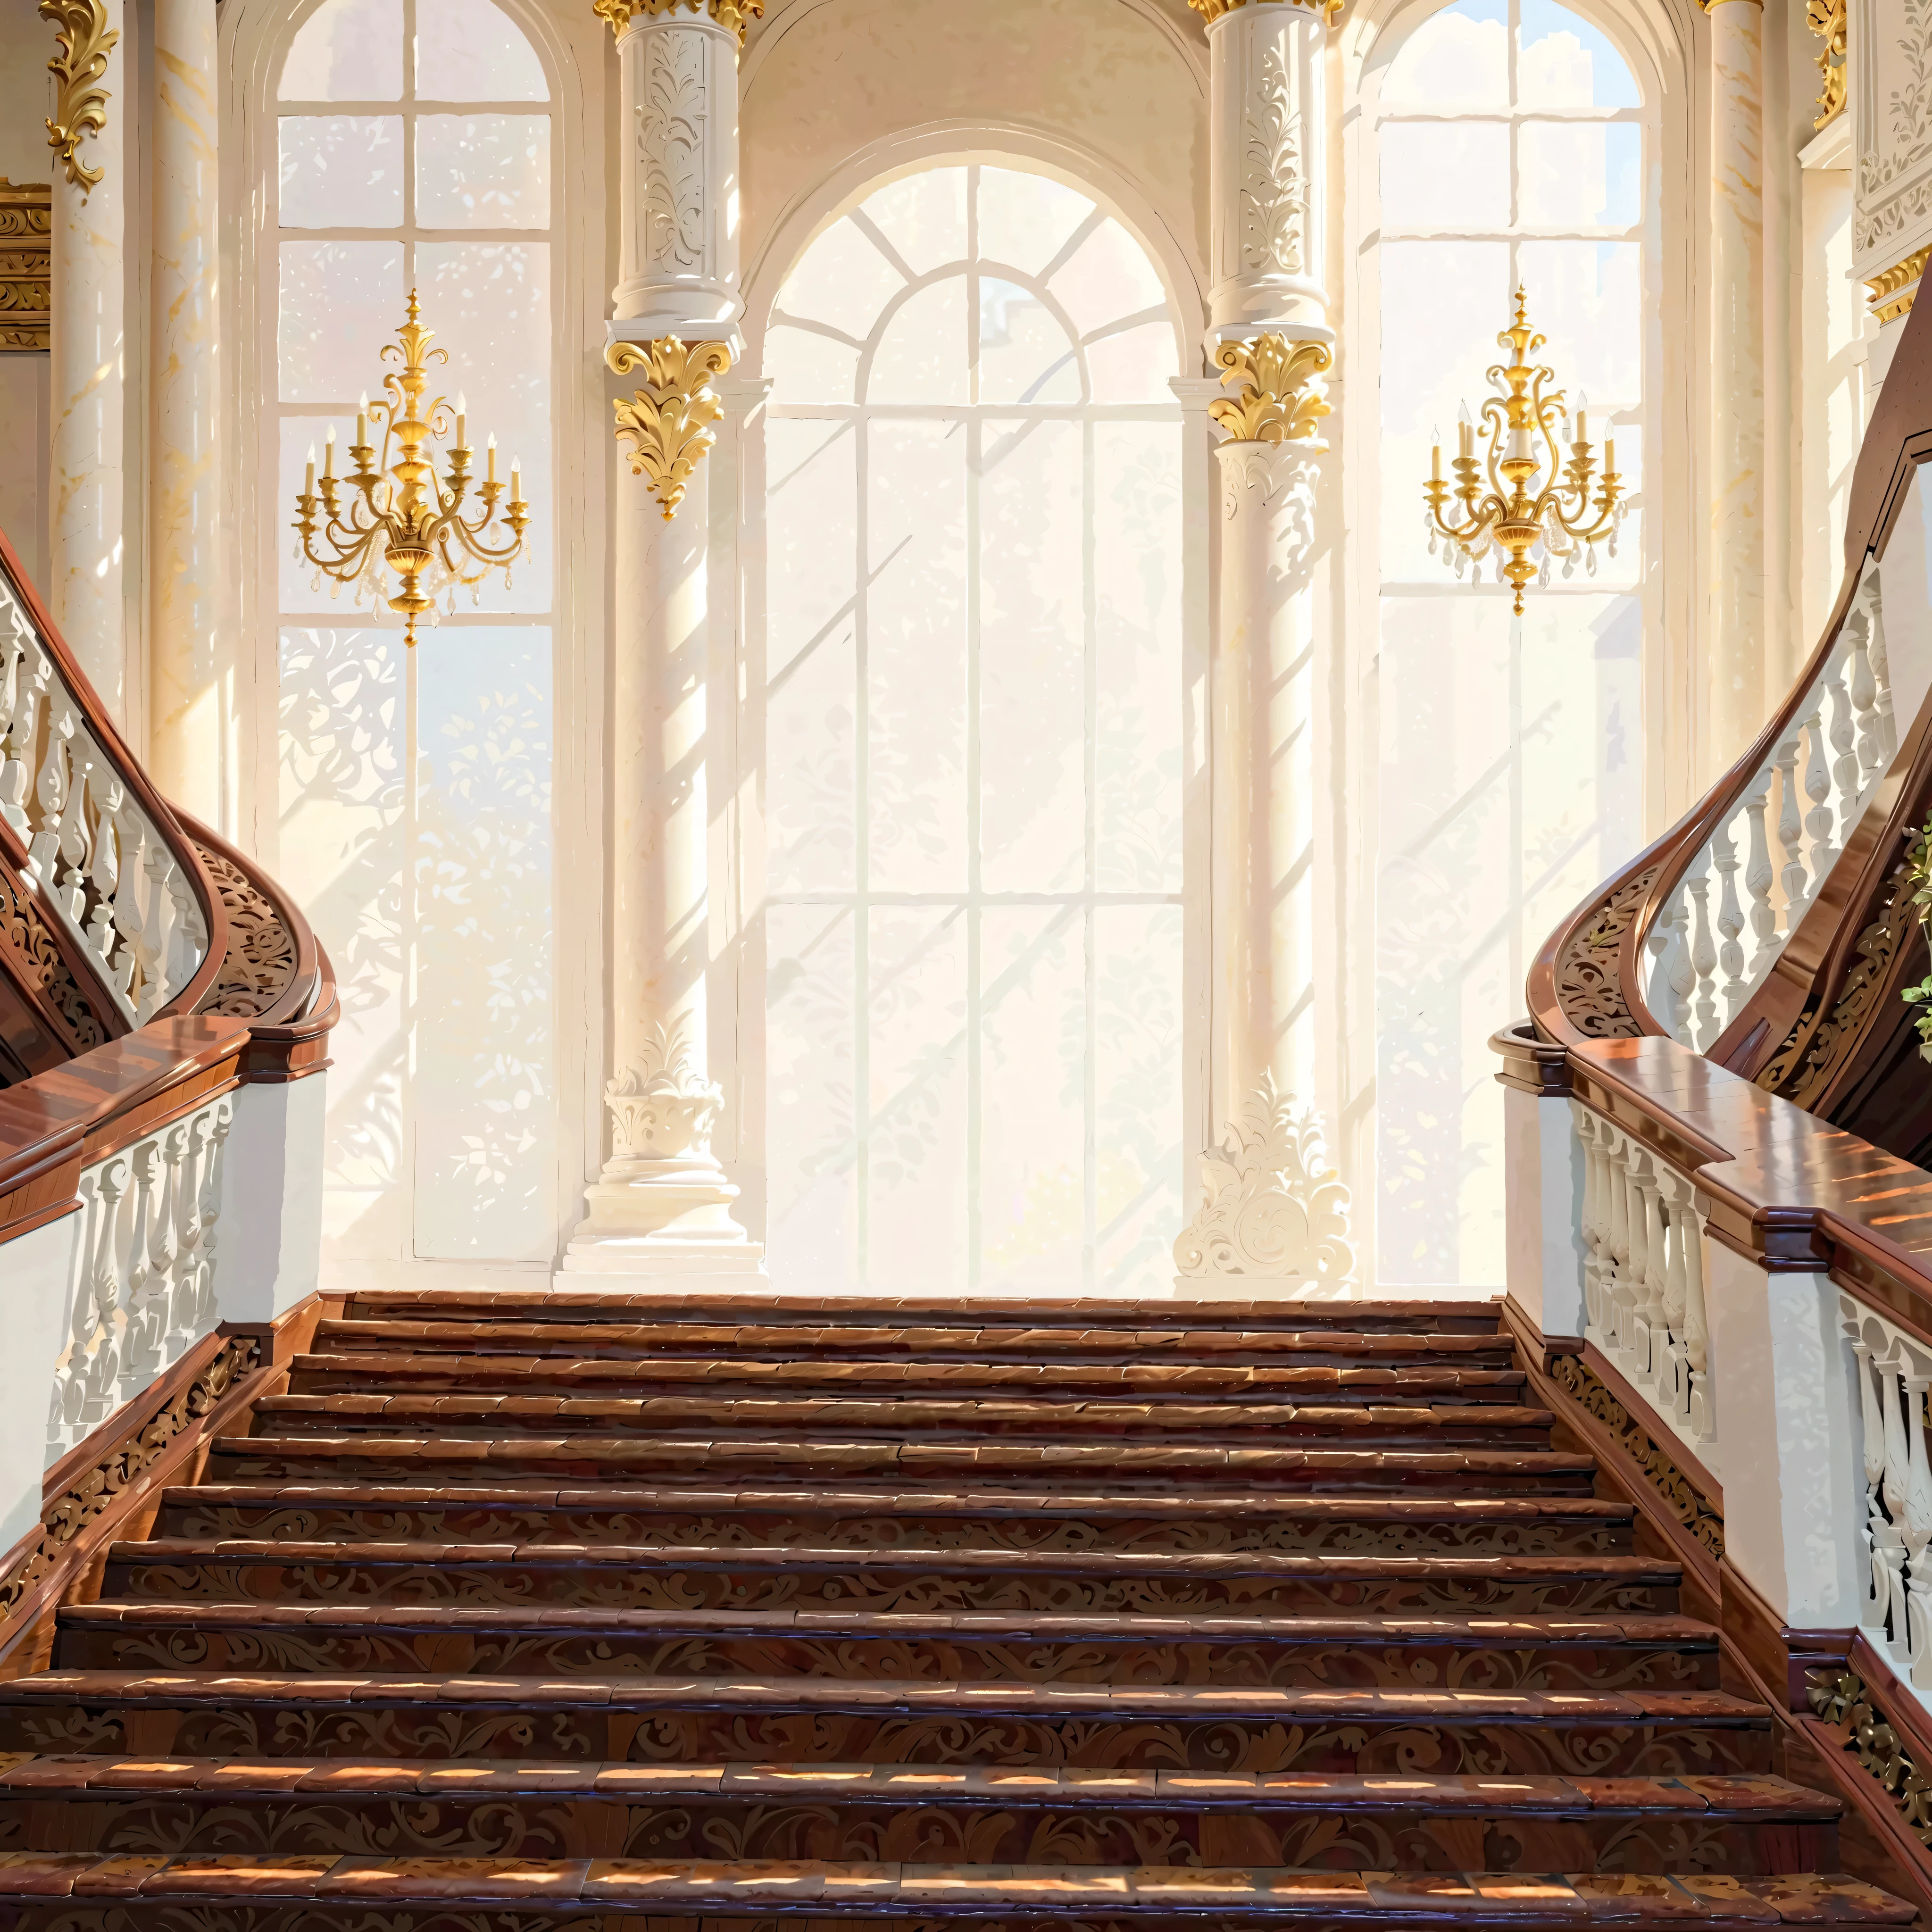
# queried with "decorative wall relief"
point(662, 1108)
point(1589, 986)
point(260, 960)
point(1892, 88)
point(1842, 1699)
point(670, 138)
point(1274, 192)
point(26, 265)
point(668, 422)
point(81, 106)
point(1271, 1206)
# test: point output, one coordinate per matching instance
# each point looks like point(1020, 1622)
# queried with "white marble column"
point(1739, 699)
point(188, 752)
point(87, 369)
point(662, 1211)
point(1274, 1214)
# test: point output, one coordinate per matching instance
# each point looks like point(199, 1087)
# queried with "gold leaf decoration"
point(1211, 10)
point(1278, 400)
point(737, 15)
point(85, 41)
point(1827, 19)
point(26, 245)
point(1842, 1700)
point(668, 421)
point(1663, 1475)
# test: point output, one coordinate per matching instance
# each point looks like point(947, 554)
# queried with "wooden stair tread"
point(824, 1888)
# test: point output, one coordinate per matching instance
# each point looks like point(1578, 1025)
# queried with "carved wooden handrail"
point(1588, 981)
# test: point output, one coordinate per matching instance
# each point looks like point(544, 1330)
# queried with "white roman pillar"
point(1274, 1214)
point(1739, 700)
point(661, 1212)
point(88, 360)
point(188, 752)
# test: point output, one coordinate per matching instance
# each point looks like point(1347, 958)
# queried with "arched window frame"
point(255, 37)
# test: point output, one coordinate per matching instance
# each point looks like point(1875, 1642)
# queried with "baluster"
point(164, 1244)
point(1648, 1328)
point(31, 688)
point(50, 790)
point(1730, 922)
point(1631, 1276)
point(184, 953)
point(1864, 703)
point(1758, 876)
point(1703, 951)
point(1590, 1216)
point(1917, 1525)
point(1618, 1273)
point(1878, 1597)
point(129, 921)
point(105, 873)
point(1897, 1482)
point(84, 1322)
point(144, 1354)
point(1665, 942)
point(156, 923)
point(1818, 789)
point(1845, 762)
point(1791, 876)
point(1702, 1390)
point(108, 1277)
point(1673, 1380)
point(211, 1211)
point(1683, 972)
point(73, 847)
point(1881, 664)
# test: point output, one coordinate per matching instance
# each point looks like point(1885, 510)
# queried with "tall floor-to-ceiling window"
point(1514, 149)
point(974, 785)
point(415, 145)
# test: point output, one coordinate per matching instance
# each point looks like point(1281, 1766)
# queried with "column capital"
point(85, 41)
point(734, 15)
point(1327, 11)
point(1279, 400)
point(669, 421)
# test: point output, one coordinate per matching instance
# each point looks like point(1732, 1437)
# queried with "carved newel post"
point(1272, 1214)
point(662, 1207)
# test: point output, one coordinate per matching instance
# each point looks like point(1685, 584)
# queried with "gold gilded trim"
point(1655, 1466)
point(1278, 400)
point(1826, 19)
point(81, 108)
point(668, 421)
point(1841, 1699)
point(26, 265)
point(1893, 288)
point(737, 15)
point(1211, 10)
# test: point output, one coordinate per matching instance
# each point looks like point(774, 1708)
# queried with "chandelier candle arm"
point(1494, 489)
point(403, 515)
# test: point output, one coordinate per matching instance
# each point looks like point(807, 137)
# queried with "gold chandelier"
point(1499, 513)
point(400, 514)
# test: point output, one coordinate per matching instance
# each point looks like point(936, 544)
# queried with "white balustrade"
point(1894, 1371)
point(107, 872)
point(1841, 739)
point(1643, 1275)
point(143, 1286)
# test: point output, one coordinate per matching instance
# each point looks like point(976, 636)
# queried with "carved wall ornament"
point(1827, 19)
point(1280, 400)
point(26, 264)
point(1284, 475)
point(29, 943)
point(1271, 1206)
point(662, 1108)
point(1589, 988)
point(1842, 1700)
point(668, 421)
point(1274, 193)
point(1890, 292)
point(1893, 188)
point(737, 15)
point(260, 961)
point(80, 107)
point(66, 1515)
point(670, 145)
point(1653, 1462)
point(1211, 10)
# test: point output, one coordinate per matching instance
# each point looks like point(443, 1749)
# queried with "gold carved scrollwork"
point(29, 942)
point(737, 15)
point(1587, 987)
point(1892, 292)
point(1279, 400)
point(1211, 10)
point(81, 107)
point(26, 248)
point(668, 421)
point(1842, 1701)
point(91, 1491)
point(1663, 1475)
point(1827, 19)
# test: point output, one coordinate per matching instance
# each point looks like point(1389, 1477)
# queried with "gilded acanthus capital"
point(668, 421)
point(1211, 10)
point(1279, 400)
point(80, 105)
point(737, 15)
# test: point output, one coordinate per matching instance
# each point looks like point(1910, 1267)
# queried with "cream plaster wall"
point(26, 43)
point(25, 92)
point(826, 82)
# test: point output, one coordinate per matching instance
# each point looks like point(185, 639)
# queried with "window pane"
point(1581, 174)
point(1134, 365)
point(1025, 355)
point(1107, 278)
point(298, 590)
point(340, 301)
point(1586, 297)
point(341, 171)
point(1452, 174)
point(806, 365)
point(470, 50)
point(842, 281)
point(923, 218)
point(814, 1216)
point(1455, 62)
point(1026, 219)
point(483, 170)
point(1566, 62)
point(921, 355)
point(346, 50)
point(1139, 1206)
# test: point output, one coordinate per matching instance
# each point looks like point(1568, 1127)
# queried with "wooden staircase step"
point(825, 1892)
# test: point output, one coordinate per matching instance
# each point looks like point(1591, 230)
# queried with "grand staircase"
point(525, 1611)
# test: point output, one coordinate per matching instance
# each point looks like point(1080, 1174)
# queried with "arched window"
point(415, 138)
point(1513, 148)
point(973, 927)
